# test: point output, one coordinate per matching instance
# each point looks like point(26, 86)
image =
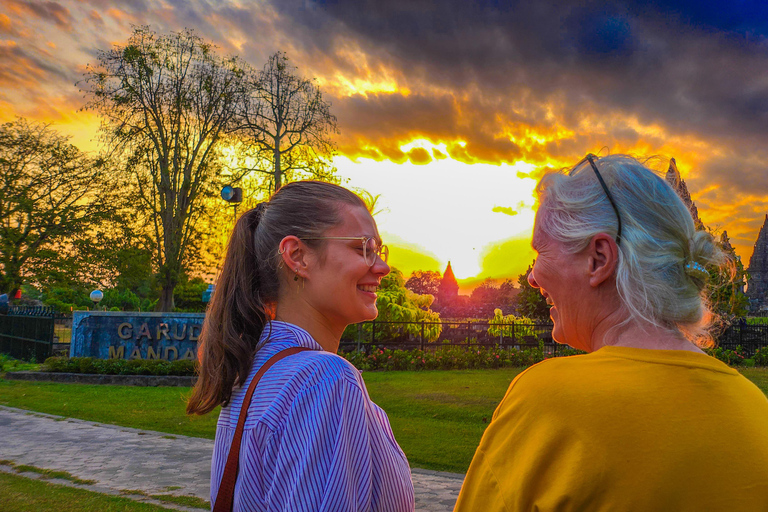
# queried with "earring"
point(296, 277)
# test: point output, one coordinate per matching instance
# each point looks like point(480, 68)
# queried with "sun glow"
point(477, 216)
point(364, 78)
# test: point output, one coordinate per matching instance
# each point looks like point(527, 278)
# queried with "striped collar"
point(279, 335)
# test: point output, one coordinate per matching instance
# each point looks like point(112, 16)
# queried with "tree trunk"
point(166, 298)
point(278, 173)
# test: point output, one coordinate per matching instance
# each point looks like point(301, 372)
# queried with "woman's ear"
point(293, 252)
point(603, 258)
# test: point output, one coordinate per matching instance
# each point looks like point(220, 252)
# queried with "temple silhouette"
point(757, 285)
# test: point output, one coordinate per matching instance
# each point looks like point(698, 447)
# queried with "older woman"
point(297, 430)
point(646, 420)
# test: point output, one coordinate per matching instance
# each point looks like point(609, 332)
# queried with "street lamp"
point(232, 195)
point(96, 296)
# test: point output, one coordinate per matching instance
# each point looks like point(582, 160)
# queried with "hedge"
point(443, 358)
point(119, 366)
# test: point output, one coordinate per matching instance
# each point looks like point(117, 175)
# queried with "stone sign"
point(130, 335)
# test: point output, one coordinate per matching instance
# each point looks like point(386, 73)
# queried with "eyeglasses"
point(371, 247)
point(591, 159)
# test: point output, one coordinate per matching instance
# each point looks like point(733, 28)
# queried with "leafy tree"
point(424, 282)
point(166, 104)
point(396, 303)
point(52, 200)
point(189, 295)
point(487, 297)
point(287, 124)
point(530, 302)
point(125, 300)
point(511, 326)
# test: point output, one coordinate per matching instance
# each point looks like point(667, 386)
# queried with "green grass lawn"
point(438, 417)
point(759, 376)
point(20, 494)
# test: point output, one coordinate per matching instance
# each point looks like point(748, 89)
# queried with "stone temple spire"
point(448, 289)
point(757, 286)
point(674, 179)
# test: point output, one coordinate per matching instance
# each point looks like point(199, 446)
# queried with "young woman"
point(298, 270)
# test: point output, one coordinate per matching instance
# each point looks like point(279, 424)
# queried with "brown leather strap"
point(226, 496)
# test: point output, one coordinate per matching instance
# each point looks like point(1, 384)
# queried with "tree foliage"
point(287, 124)
point(424, 282)
point(530, 302)
point(396, 303)
point(53, 200)
point(166, 103)
point(488, 296)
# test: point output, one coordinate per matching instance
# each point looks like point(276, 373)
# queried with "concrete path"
point(121, 458)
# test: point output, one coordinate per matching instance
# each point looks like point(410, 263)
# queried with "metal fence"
point(432, 335)
point(748, 337)
point(34, 332)
point(38, 332)
point(416, 335)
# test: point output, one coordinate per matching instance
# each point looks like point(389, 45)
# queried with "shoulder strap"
point(226, 495)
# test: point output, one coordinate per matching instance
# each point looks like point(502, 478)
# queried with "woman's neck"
point(643, 335)
point(314, 324)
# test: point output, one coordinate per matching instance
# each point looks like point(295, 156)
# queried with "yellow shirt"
point(624, 429)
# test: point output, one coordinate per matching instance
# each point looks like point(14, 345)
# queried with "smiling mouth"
point(549, 301)
point(370, 288)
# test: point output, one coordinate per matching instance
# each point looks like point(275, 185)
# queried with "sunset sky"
point(451, 110)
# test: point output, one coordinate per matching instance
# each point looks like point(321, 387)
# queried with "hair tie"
point(256, 214)
point(696, 271)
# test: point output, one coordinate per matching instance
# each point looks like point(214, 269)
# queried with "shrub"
point(119, 366)
point(447, 358)
point(728, 356)
point(761, 356)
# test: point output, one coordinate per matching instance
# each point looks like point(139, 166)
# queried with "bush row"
point(119, 366)
point(737, 356)
point(443, 358)
point(450, 358)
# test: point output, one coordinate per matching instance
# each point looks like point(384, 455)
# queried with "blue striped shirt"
point(313, 440)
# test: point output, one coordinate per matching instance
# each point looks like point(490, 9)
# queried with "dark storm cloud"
point(664, 64)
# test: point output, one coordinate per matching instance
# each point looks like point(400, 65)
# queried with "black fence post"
point(373, 331)
point(422, 335)
point(50, 334)
point(741, 335)
point(359, 335)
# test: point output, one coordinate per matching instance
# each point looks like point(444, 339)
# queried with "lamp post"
point(96, 296)
point(232, 195)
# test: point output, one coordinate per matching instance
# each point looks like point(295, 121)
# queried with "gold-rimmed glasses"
point(371, 247)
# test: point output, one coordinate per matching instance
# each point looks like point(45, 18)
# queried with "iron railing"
point(34, 333)
point(431, 335)
point(748, 337)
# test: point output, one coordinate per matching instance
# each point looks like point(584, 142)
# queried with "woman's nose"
point(532, 280)
point(380, 267)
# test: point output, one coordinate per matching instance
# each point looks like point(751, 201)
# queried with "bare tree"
point(166, 103)
point(287, 123)
point(53, 197)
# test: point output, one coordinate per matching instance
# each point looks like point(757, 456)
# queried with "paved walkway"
point(121, 458)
